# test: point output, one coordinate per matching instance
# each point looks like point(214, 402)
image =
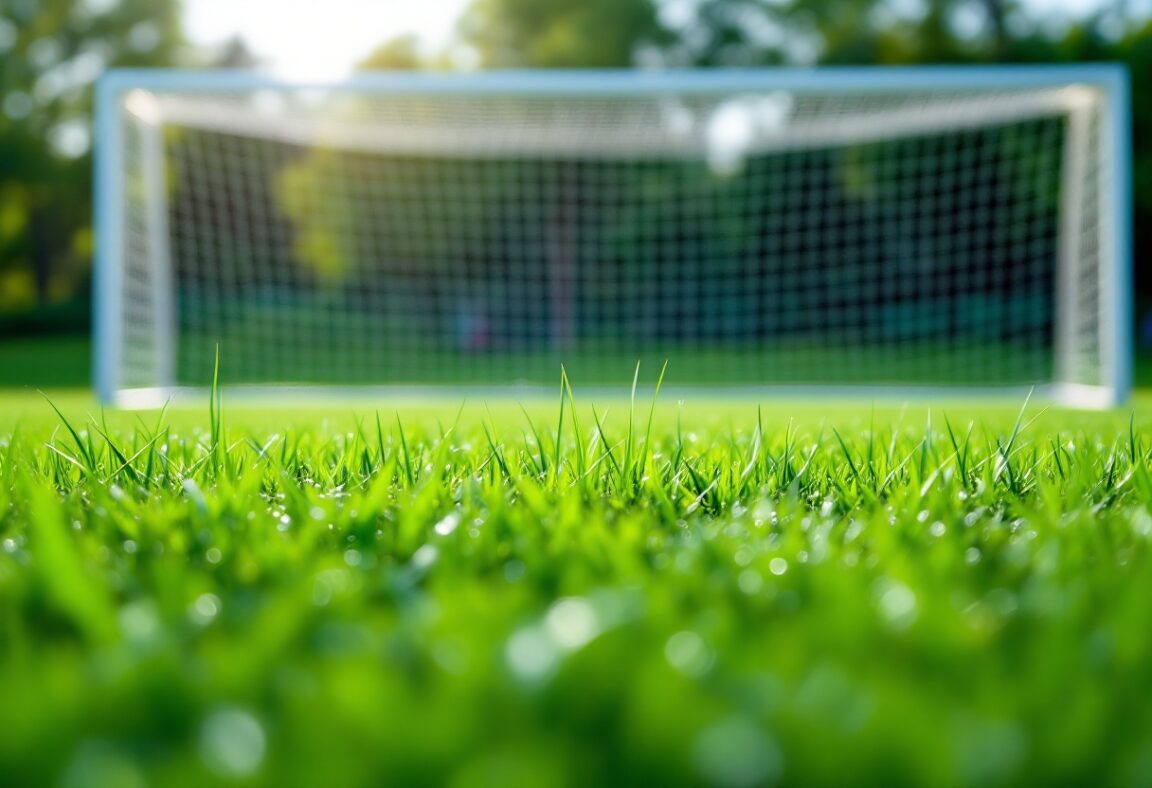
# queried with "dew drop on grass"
point(232, 743)
point(514, 570)
point(139, 621)
point(1142, 522)
point(750, 581)
point(193, 491)
point(447, 525)
point(205, 609)
point(213, 555)
point(572, 623)
point(531, 654)
point(424, 557)
point(688, 653)
point(1003, 601)
point(778, 566)
point(736, 753)
point(897, 604)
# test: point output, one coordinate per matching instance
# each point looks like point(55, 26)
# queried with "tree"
point(399, 54)
point(51, 51)
point(236, 54)
point(561, 33)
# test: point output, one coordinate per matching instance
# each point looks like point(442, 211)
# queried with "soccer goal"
point(931, 229)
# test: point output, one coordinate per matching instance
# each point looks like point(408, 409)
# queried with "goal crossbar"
point(523, 134)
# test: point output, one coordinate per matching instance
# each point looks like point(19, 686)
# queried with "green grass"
point(44, 361)
point(703, 363)
point(576, 593)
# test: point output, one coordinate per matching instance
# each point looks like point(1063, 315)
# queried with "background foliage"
point(52, 50)
point(50, 53)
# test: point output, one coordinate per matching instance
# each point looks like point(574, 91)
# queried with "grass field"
point(725, 593)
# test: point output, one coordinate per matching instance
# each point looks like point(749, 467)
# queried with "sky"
point(320, 39)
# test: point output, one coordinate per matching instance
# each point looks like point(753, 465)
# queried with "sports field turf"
point(711, 592)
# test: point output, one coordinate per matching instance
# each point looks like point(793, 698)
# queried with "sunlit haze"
point(314, 39)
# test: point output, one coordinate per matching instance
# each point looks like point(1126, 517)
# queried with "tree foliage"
point(51, 51)
point(561, 33)
point(397, 54)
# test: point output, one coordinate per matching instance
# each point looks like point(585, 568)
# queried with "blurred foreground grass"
point(718, 594)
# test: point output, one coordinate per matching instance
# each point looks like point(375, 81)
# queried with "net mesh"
point(344, 238)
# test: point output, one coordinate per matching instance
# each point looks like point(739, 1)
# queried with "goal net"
point(958, 229)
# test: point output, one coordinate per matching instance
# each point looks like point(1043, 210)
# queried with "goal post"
point(955, 230)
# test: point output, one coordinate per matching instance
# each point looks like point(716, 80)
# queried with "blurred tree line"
point(52, 50)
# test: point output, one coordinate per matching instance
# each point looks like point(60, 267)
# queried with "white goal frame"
point(1115, 269)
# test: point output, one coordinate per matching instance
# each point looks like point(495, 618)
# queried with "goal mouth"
point(839, 231)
